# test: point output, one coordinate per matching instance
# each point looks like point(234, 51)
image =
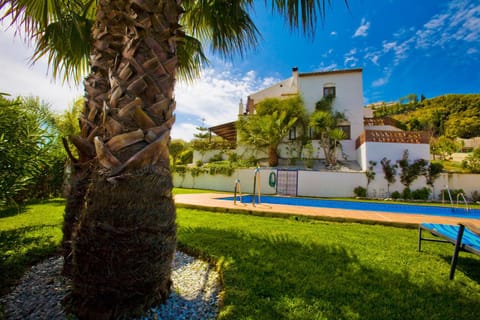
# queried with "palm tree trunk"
point(272, 156)
point(124, 241)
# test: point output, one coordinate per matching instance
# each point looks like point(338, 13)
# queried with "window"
point(346, 130)
point(329, 92)
point(292, 134)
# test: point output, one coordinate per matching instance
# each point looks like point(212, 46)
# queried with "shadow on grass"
point(12, 211)
point(279, 278)
point(466, 263)
point(21, 248)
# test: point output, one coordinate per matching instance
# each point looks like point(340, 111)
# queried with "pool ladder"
point(236, 189)
point(460, 196)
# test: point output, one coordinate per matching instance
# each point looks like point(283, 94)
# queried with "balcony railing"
point(370, 122)
point(392, 137)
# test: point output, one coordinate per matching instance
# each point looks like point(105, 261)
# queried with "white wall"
point(328, 184)
point(207, 155)
point(376, 151)
point(226, 183)
point(362, 156)
point(349, 99)
point(325, 183)
point(282, 88)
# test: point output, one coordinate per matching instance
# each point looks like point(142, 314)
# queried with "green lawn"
point(276, 268)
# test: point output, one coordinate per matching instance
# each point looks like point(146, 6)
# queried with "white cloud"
point(387, 73)
point(455, 31)
point(472, 51)
point(459, 23)
point(214, 97)
point(350, 60)
point(20, 78)
point(333, 33)
point(362, 31)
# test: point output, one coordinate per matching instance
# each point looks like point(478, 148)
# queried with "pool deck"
point(210, 201)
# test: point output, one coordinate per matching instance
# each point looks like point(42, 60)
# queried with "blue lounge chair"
point(465, 237)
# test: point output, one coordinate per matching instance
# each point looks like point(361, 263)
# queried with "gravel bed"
point(195, 292)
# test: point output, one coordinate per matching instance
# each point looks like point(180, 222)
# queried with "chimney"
point(295, 77)
point(240, 107)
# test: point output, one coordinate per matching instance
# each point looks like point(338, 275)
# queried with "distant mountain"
point(453, 115)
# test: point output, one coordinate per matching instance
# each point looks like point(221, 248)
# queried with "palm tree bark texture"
point(124, 240)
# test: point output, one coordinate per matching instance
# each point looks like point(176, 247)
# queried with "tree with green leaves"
point(125, 238)
point(370, 173)
point(472, 161)
point(176, 148)
point(431, 173)
point(443, 147)
point(410, 171)
point(31, 158)
point(389, 171)
point(325, 125)
point(268, 127)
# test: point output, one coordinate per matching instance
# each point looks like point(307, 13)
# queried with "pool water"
point(364, 206)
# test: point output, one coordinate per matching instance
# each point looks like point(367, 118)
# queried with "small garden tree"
point(410, 172)
point(325, 126)
point(389, 171)
point(201, 142)
point(472, 161)
point(370, 173)
point(431, 173)
point(176, 148)
point(443, 147)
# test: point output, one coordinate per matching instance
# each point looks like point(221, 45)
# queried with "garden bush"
point(360, 192)
point(421, 194)
point(407, 193)
point(396, 195)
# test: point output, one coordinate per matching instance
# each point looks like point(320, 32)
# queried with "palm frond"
point(302, 14)
point(191, 58)
point(67, 45)
point(225, 26)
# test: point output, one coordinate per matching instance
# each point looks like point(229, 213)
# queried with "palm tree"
point(122, 208)
point(270, 124)
point(265, 131)
point(325, 125)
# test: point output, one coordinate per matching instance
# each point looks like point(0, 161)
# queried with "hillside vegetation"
point(453, 115)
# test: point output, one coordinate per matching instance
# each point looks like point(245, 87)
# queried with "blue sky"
point(429, 47)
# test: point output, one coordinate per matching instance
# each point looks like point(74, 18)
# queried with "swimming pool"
point(365, 206)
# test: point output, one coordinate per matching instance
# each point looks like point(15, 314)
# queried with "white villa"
point(366, 139)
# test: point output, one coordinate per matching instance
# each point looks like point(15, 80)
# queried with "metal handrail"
point(461, 195)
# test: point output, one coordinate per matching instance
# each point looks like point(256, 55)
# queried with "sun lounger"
point(465, 237)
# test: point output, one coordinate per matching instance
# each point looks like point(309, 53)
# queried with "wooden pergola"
point(227, 131)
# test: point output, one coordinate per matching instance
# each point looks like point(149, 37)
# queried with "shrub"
point(472, 161)
point(215, 158)
point(421, 194)
point(396, 195)
point(186, 156)
point(407, 193)
point(475, 196)
point(233, 157)
point(220, 167)
point(360, 192)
